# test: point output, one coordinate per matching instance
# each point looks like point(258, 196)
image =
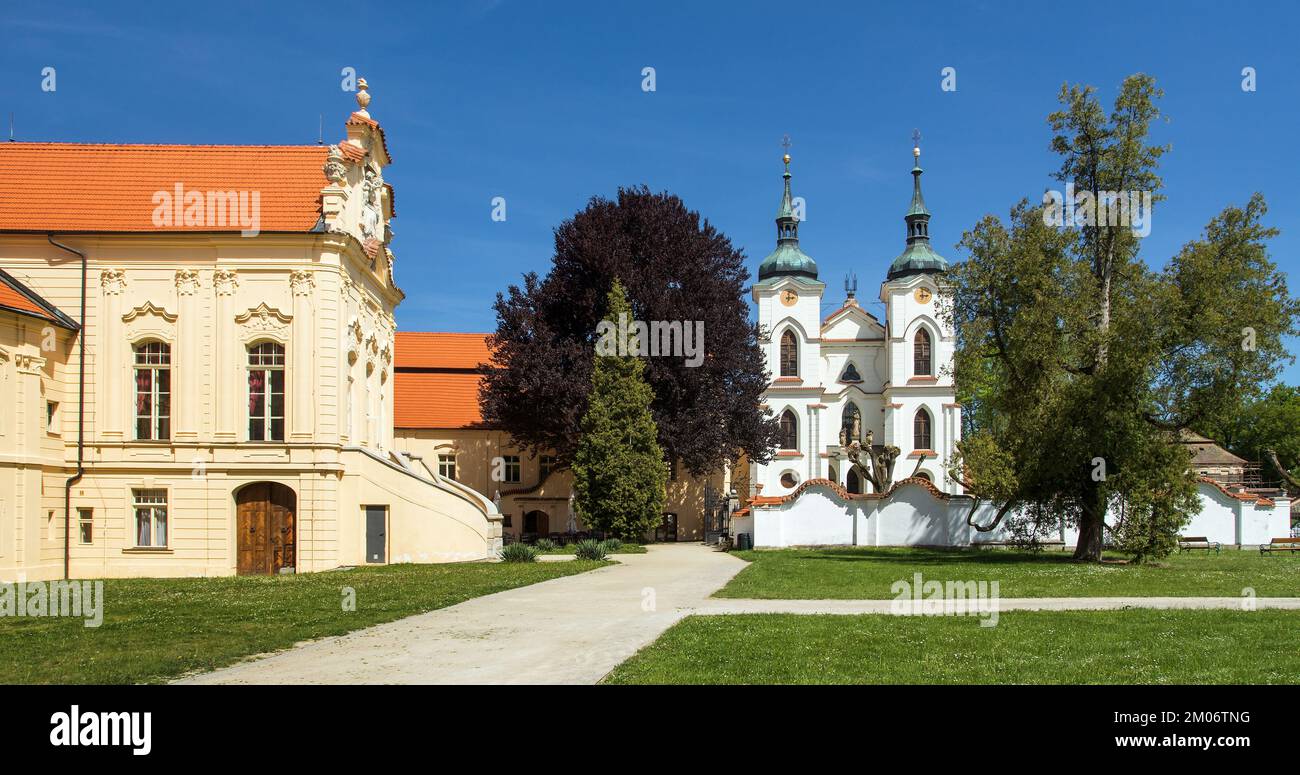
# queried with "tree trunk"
point(1091, 521)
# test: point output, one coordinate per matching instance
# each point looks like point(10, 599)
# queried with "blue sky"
point(541, 103)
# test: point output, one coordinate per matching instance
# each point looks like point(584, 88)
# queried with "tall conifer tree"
point(619, 472)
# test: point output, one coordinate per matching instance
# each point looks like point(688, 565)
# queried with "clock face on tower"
point(789, 297)
point(922, 295)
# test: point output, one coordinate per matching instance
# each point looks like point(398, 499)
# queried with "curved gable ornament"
point(148, 308)
point(265, 320)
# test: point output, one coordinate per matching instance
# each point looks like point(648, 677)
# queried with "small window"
point(789, 355)
point(850, 374)
point(921, 430)
point(52, 416)
point(266, 392)
point(511, 471)
point(672, 470)
point(85, 526)
point(447, 466)
point(789, 430)
point(150, 518)
point(546, 465)
point(921, 349)
point(789, 480)
point(153, 391)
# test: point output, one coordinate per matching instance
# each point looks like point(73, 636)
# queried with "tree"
point(1265, 427)
point(676, 268)
point(1086, 361)
point(619, 474)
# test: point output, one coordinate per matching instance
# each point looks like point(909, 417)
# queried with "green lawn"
point(868, 572)
point(156, 629)
point(1135, 646)
point(624, 549)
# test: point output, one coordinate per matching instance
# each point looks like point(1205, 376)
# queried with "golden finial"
point(786, 158)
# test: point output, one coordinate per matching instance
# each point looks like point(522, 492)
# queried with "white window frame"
point(267, 419)
point(155, 501)
point(446, 460)
point(155, 368)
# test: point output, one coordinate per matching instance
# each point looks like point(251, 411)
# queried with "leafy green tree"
point(619, 473)
point(1086, 361)
point(1265, 428)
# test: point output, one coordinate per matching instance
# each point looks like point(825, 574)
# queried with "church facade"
point(862, 402)
point(199, 343)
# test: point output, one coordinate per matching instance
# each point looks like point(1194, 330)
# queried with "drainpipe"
point(81, 414)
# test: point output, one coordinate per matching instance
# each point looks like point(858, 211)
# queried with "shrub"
point(519, 553)
point(545, 544)
point(612, 545)
point(590, 550)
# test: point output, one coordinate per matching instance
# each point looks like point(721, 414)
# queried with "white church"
point(869, 415)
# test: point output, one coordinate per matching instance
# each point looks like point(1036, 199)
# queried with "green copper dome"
point(787, 259)
point(918, 257)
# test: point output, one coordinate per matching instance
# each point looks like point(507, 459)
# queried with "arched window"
point(153, 391)
point(921, 349)
point(789, 355)
point(266, 392)
point(789, 430)
point(921, 430)
point(851, 422)
point(853, 482)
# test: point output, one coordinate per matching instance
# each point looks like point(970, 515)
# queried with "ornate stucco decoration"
point(187, 281)
point(148, 320)
point(27, 363)
point(148, 308)
point(225, 281)
point(372, 215)
point(112, 281)
point(302, 282)
point(265, 320)
point(336, 170)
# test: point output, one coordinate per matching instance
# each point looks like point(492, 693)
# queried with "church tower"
point(922, 417)
point(789, 296)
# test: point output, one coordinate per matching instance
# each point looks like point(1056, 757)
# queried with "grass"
point(868, 572)
point(1134, 646)
point(155, 629)
point(624, 549)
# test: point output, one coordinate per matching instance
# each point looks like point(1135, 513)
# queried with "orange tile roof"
point(438, 350)
point(16, 297)
point(111, 188)
point(435, 400)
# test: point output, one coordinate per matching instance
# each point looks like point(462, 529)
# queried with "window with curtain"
point(266, 392)
point(789, 355)
point(921, 349)
point(921, 430)
point(150, 517)
point(789, 430)
point(153, 391)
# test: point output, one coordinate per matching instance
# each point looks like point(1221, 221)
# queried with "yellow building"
point(437, 421)
point(235, 354)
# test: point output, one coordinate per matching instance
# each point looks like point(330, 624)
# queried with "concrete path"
point(568, 630)
point(577, 628)
point(749, 606)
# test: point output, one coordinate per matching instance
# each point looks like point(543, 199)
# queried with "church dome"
point(787, 259)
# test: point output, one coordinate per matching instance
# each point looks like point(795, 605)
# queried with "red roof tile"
point(435, 400)
point(16, 297)
point(112, 188)
point(437, 350)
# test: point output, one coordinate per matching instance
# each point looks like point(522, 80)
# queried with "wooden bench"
point(1186, 543)
point(1281, 545)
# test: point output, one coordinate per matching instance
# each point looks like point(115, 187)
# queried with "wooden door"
point(266, 529)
